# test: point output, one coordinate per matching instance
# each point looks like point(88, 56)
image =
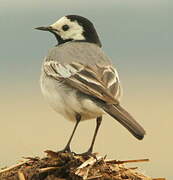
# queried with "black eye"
point(65, 27)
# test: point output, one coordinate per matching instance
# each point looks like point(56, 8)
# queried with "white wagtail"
point(79, 80)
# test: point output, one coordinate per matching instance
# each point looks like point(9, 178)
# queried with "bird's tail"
point(123, 117)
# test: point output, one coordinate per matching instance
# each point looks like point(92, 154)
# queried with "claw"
point(87, 153)
point(65, 150)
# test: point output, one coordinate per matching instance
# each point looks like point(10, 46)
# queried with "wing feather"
point(98, 81)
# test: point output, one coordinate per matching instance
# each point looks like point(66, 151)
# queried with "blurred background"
point(136, 34)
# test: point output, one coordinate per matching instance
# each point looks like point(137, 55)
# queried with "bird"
point(79, 80)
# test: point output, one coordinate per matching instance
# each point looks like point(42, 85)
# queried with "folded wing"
point(98, 81)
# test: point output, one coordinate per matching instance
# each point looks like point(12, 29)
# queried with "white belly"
point(65, 101)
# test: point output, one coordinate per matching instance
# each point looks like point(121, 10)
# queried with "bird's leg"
point(98, 122)
point(67, 147)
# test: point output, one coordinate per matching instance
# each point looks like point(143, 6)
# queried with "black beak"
point(44, 28)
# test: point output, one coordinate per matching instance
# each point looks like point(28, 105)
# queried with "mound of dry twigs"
point(65, 166)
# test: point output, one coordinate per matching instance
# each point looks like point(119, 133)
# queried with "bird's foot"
point(53, 154)
point(86, 154)
point(67, 149)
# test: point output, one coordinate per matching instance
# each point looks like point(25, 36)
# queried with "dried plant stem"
point(126, 161)
point(47, 169)
point(12, 167)
point(21, 175)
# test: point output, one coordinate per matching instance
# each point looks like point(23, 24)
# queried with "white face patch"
point(74, 32)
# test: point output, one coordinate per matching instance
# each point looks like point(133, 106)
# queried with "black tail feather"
point(123, 117)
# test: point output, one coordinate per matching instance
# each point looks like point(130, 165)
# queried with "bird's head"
point(73, 28)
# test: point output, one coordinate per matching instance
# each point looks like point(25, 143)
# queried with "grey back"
point(82, 52)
